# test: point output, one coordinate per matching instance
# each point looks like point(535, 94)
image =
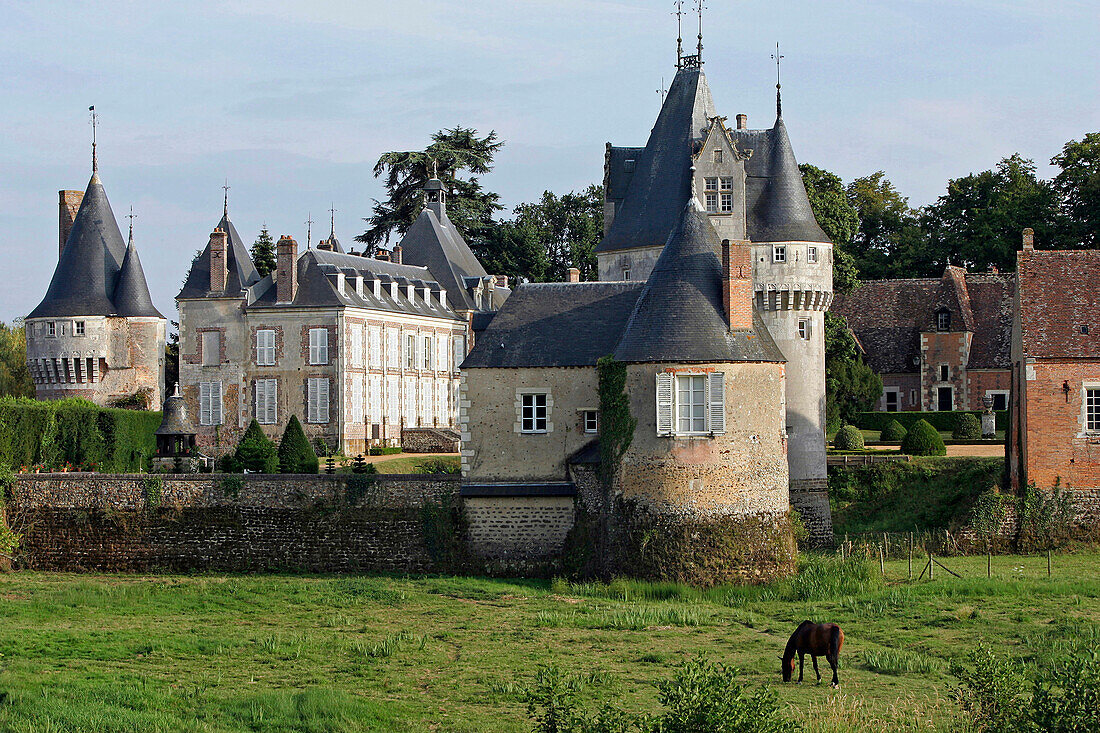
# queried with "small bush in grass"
point(967, 428)
point(439, 465)
point(848, 438)
point(894, 432)
point(296, 455)
point(380, 450)
point(256, 452)
point(923, 440)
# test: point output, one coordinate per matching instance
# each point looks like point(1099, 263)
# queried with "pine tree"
point(295, 453)
point(256, 452)
point(263, 253)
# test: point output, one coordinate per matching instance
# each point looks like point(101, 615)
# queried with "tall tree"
point(838, 218)
point(977, 223)
point(263, 253)
point(889, 230)
point(453, 152)
point(850, 385)
point(1079, 184)
point(172, 358)
point(15, 376)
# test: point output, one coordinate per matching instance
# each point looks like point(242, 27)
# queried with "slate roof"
point(433, 242)
point(241, 271)
point(1060, 293)
point(888, 316)
point(679, 315)
point(88, 278)
point(556, 325)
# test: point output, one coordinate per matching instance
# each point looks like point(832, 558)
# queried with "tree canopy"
point(15, 376)
point(263, 253)
point(1079, 186)
point(838, 219)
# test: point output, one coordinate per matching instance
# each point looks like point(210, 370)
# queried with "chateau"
point(362, 350)
point(96, 333)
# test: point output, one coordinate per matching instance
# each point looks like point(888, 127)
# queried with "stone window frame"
point(943, 320)
point(548, 406)
point(944, 372)
point(210, 400)
point(805, 329)
point(1087, 387)
point(716, 155)
point(936, 397)
point(668, 403)
point(779, 253)
point(725, 202)
point(318, 352)
point(993, 392)
point(202, 346)
point(590, 421)
point(811, 255)
point(275, 344)
point(626, 274)
point(271, 397)
point(711, 202)
point(79, 328)
point(311, 417)
point(886, 403)
point(51, 329)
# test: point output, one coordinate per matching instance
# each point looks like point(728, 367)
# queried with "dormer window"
point(943, 320)
point(626, 273)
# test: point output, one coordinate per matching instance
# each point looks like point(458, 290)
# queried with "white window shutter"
point(322, 400)
point(717, 402)
point(204, 404)
point(664, 403)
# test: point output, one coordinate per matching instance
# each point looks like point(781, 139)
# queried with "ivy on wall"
point(617, 425)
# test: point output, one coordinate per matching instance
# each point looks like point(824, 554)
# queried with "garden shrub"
point(944, 420)
point(381, 450)
point(894, 432)
point(439, 465)
point(848, 438)
point(967, 427)
point(296, 455)
point(256, 452)
point(923, 440)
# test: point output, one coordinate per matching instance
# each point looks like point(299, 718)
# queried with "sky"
point(293, 102)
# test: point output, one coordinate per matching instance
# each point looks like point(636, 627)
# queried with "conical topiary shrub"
point(923, 440)
point(894, 432)
point(967, 427)
point(296, 455)
point(848, 438)
point(256, 452)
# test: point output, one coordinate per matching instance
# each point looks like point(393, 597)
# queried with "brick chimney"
point(397, 254)
point(737, 284)
point(69, 204)
point(286, 269)
point(1029, 239)
point(219, 267)
point(574, 275)
point(742, 122)
point(502, 280)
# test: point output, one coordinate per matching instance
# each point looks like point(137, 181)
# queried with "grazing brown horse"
point(816, 640)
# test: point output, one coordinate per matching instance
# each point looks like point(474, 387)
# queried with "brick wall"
point(518, 528)
point(430, 440)
point(810, 497)
point(1056, 445)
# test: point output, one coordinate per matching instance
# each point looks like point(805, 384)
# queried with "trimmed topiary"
point(894, 432)
point(256, 452)
point(848, 438)
point(967, 427)
point(296, 455)
point(923, 440)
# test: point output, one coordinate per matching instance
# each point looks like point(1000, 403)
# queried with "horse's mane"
point(788, 652)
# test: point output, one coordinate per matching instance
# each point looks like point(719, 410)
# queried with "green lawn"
point(308, 653)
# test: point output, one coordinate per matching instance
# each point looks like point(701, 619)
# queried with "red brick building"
point(1055, 434)
point(938, 343)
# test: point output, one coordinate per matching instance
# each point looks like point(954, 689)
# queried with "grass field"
point(332, 653)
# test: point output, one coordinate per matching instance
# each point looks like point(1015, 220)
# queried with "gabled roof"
point(679, 315)
point(86, 275)
point(132, 294)
point(433, 242)
point(241, 270)
point(556, 325)
point(661, 181)
point(1060, 293)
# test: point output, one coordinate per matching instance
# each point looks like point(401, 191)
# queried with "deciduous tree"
point(1079, 185)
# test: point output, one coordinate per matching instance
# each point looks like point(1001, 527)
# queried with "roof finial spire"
point(332, 221)
point(225, 198)
point(778, 95)
point(699, 8)
point(131, 216)
point(679, 4)
point(309, 229)
point(95, 123)
point(662, 91)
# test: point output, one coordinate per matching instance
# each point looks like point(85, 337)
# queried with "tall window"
point(590, 419)
point(317, 398)
point(1092, 409)
point(533, 413)
point(460, 351)
point(357, 400)
point(804, 330)
point(726, 196)
point(51, 328)
point(211, 348)
point(691, 404)
point(356, 345)
point(267, 401)
point(427, 352)
point(943, 320)
point(265, 348)
point(626, 273)
point(779, 254)
point(710, 190)
point(318, 346)
point(374, 354)
point(78, 328)
point(210, 403)
point(811, 254)
point(945, 373)
point(410, 351)
point(718, 156)
point(392, 359)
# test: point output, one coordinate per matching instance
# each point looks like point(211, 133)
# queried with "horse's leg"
point(834, 662)
point(801, 663)
point(816, 670)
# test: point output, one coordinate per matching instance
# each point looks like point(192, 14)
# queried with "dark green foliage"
point(894, 432)
point(15, 376)
point(295, 453)
point(320, 447)
point(359, 464)
point(438, 465)
point(263, 253)
point(1079, 185)
point(942, 421)
point(452, 152)
point(850, 385)
point(1045, 518)
point(360, 485)
point(231, 486)
point(256, 452)
point(848, 438)
point(76, 433)
point(967, 427)
point(923, 440)
point(380, 450)
point(991, 692)
point(172, 357)
point(229, 464)
point(1066, 696)
point(889, 231)
point(444, 528)
point(616, 423)
point(839, 220)
point(152, 487)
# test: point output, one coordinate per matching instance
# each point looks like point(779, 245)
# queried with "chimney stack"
point(574, 275)
point(502, 280)
point(737, 284)
point(742, 122)
point(68, 206)
point(286, 269)
point(1029, 240)
point(397, 254)
point(219, 267)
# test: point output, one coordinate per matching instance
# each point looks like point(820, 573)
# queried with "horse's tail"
point(836, 639)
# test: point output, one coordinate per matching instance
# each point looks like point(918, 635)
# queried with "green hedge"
point(945, 421)
point(75, 432)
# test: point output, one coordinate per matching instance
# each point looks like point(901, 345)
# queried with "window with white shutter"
point(210, 403)
point(459, 351)
point(356, 345)
point(391, 349)
point(317, 398)
point(691, 404)
point(357, 401)
point(266, 401)
point(375, 355)
point(265, 347)
point(428, 352)
point(664, 403)
point(410, 351)
point(717, 414)
point(441, 349)
point(393, 400)
point(318, 346)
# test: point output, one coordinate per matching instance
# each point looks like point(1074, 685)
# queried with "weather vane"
point(699, 8)
point(131, 216)
point(95, 122)
point(309, 229)
point(225, 198)
point(778, 99)
point(662, 91)
point(332, 220)
point(679, 31)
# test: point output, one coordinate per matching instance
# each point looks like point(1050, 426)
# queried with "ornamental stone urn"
point(989, 419)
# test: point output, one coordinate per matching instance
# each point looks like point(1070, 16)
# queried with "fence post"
point(881, 562)
point(931, 567)
point(989, 563)
point(1048, 562)
point(910, 556)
